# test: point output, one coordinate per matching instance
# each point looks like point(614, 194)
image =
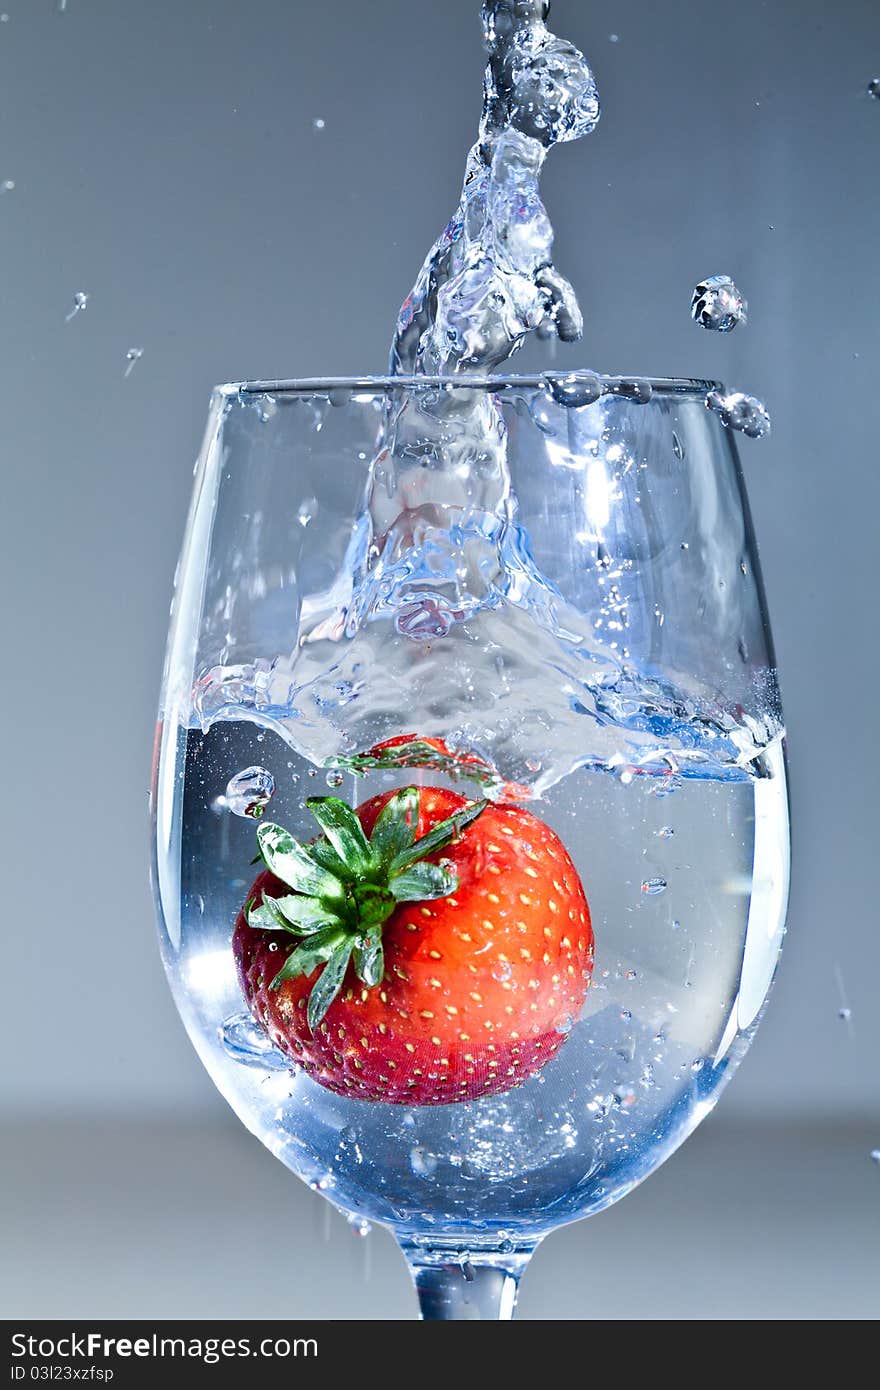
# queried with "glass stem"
point(482, 1286)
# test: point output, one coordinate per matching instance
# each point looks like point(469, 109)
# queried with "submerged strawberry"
point(432, 949)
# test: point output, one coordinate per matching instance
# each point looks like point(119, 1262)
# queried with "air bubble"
point(665, 832)
point(306, 511)
point(7, 186)
point(677, 447)
point(319, 123)
point(335, 779)
point(873, 88)
point(422, 1163)
point(652, 887)
point(249, 792)
point(132, 357)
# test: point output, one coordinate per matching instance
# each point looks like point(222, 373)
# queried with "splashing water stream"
point(440, 600)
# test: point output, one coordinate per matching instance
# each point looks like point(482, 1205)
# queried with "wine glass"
point(566, 632)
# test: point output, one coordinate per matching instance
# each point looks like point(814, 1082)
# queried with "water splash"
point(718, 305)
point(440, 606)
point(489, 280)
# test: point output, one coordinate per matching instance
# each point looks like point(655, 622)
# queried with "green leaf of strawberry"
point(347, 886)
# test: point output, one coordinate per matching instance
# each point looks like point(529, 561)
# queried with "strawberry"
point(432, 950)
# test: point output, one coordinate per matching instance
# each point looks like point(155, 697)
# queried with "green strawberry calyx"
point(345, 887)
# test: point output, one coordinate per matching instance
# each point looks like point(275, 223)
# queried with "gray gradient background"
point(165, 161)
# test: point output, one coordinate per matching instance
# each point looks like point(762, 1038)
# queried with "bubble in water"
point(718, 305)
point(652, 887)
point(565, 1025)
point(423, 1163)
point(306, 511)
point(677, 447)
point(319, 123)
point(665, 832)
point(335, 779)
point(739, 412)
point(873, 88)
point(245, 1042)
point(359, 1225)
point(132, 357)
point(249, 792)
point(844, 1014)
point(80, 300)
point(875, 1155)
point(7, 186)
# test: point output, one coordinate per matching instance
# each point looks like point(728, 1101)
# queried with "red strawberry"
point(441, 959)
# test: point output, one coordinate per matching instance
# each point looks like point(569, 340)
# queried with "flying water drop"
point(249, 792)
point(718, 305)
point(80, 300)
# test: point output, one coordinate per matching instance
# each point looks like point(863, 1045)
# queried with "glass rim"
point(611, 385)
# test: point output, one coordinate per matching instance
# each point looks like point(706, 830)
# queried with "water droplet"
point(665, 832)
point(698, 1065)
point(677, 447)
point(873, 88)
point(875, 1155)
point(565, 1025)
point(467, 1269)
point(132, 357)
point(359, 1225)
point(249, 792)
point(306, 511)
point(319, 123)
point(423, 1163)
point(335, 779)
point(718, 305)
point(7, 186)
point(739, 412)
point(543, 412)
point(576, 390)
point(614, 38)
point(502, 971)
point(630, 975)
point(80, 300)
point(652, 887)
point(313, 772)
point(844, 1014)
